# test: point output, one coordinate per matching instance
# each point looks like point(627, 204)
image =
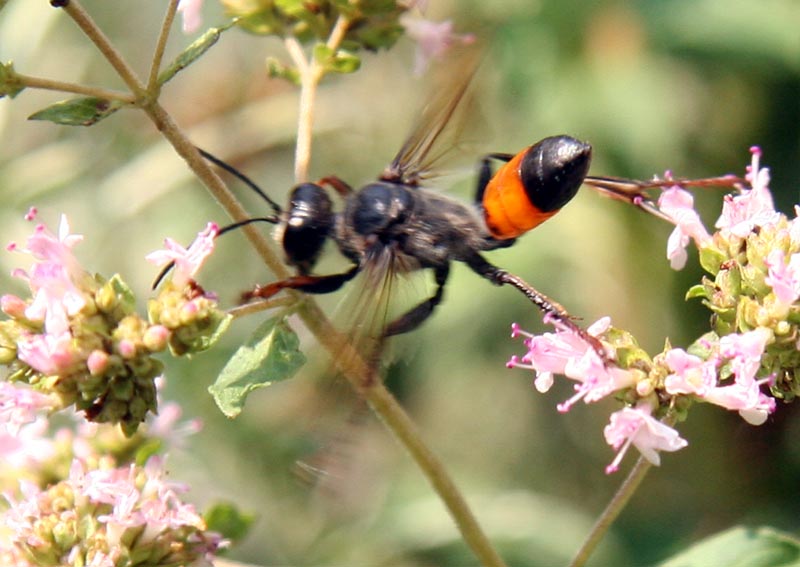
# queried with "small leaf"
point(78, 111)
point(741, 547)
point(697, 290)
point(339, 61)
point(10, 84)
point(270, 355)
point(228, 520)
point(189, 55)
point(277, 70)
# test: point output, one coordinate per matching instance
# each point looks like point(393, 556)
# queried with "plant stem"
point(50, 85)
point(385, 405)
point(612, 511)
point(311, 72)
point(161, 44)
point(96, 35)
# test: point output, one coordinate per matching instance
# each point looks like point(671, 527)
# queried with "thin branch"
point(612, 511)
point(311, 72)
point(96, 35)
point(395, 418)
point(161, 45)
point(51, 85)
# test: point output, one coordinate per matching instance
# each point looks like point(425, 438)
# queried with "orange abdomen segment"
point(507, 209)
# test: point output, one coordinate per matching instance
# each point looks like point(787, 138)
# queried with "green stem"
point(385, 405)
point(50, 85)
point(612, 511)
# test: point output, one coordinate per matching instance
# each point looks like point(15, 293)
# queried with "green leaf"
point(697, 290)
point(189, 55)
point(228, 520)
point(270, 355)
point(78, 111)
point(741, 547)
point(277, 70)
point(10, 84)
point(339, 61)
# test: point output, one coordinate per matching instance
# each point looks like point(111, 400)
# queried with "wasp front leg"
point(305, 283)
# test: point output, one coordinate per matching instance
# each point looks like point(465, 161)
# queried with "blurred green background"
point(685, 85)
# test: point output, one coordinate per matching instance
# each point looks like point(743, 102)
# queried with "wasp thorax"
point(379, 206)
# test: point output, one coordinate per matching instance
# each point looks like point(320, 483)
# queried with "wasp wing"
point(437, 129)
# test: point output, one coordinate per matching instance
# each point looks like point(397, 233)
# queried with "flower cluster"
point(78, 339)
point(105, 517)
point(189, 313)
point(749, 359)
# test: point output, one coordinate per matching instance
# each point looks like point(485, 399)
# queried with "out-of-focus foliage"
point(686, 85)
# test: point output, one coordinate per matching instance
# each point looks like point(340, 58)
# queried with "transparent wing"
point(440, 123)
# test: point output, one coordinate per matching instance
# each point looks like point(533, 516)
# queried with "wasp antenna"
point(162, 274)
point(233, 226)
point(242, 177)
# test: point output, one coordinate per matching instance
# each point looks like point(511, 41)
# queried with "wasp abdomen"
point(534, 185)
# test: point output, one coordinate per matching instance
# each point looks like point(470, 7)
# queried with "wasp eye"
point(553, 170)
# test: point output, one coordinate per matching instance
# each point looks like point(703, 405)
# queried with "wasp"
point(397, 225)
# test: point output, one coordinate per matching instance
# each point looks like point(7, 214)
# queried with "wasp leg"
point(485, 173)
point(305, 283)
point(414, 317)
point(550, 307)
point(339, 185)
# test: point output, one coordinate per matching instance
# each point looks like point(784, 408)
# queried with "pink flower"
point(26, 446)
point(678, 204)
point(187, 260)
point(53, 278)
point(48, 354)
point(742, 353)
point(745, 351)
point(565, 352)
point(746, 398)
point(13, 306)
point(192, 12)
point(433, 39)
point(56, 297)
point(752, 208)
point(20, 405)
point(691, 375)
point(783, 277)
point(637, 427)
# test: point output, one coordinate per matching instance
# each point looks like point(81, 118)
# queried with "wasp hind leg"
point(304, 283)
point(485, 173)
point(415, 316)
point(550, 307)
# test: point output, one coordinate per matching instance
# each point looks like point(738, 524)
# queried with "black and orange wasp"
point(395, 223)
